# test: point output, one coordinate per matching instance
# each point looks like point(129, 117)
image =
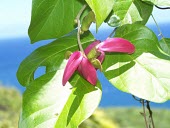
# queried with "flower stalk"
point(79, 27)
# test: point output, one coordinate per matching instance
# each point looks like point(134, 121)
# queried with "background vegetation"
point(119, 117)
point(10, 106)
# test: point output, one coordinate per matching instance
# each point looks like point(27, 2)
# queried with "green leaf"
point(145, 73)
point(48, 104)
point(51, 19)
point(50, 56)
point(101, 9)
point(127, 11)
point(159, 2)
point(165, 45)
point(144, 9)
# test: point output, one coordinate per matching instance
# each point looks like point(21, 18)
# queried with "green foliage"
point(138, 73)
point(45, 99)
point(52, 105)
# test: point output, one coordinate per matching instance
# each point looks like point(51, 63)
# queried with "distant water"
point(13, 51)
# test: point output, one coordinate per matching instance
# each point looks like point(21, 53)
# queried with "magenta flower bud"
point(72, 64)
point(78, 61)
point(88, 71)
point(116, 45)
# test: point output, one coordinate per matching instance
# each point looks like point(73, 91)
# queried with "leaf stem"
point(79, 25)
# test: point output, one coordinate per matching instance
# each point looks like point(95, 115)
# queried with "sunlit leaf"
point(165, 45)
point(101, 9)
point(159, 2)
point(52, 18)
point(127, 11)
point(48, 104)
point(144, 73)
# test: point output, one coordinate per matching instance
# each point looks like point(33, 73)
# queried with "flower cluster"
point(86, 63)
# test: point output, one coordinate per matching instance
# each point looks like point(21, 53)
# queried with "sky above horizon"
point(15, 17)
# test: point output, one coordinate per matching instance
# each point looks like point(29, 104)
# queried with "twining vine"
point(149, 122)
point(79, 27)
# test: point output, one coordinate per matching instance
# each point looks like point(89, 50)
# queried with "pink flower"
point(116, 45)
point(84, 63)
point(110, 45)
point(78, 61)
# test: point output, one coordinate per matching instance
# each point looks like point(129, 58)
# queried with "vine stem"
point(79, 25)
point(160, 33)
point(150, 121)
point(111, 34)
point(144, 112)
point(162, 7)
point(150, 114)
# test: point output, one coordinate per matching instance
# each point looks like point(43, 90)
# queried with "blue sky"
point(15, 17)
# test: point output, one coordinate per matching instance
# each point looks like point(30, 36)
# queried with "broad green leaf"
point(127, 11)
point(159, 2)
point(145, 73)
point(165, 45)
point(48, 104)
point(52, 18)
point(50, 56)
point(144, 9)
point(101, 9)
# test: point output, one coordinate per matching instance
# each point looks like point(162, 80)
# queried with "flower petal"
point(72, 64)
point(92, 45)
point(88, 71)
point(116, 45)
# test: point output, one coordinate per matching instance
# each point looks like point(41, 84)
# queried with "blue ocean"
point(13, 51)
